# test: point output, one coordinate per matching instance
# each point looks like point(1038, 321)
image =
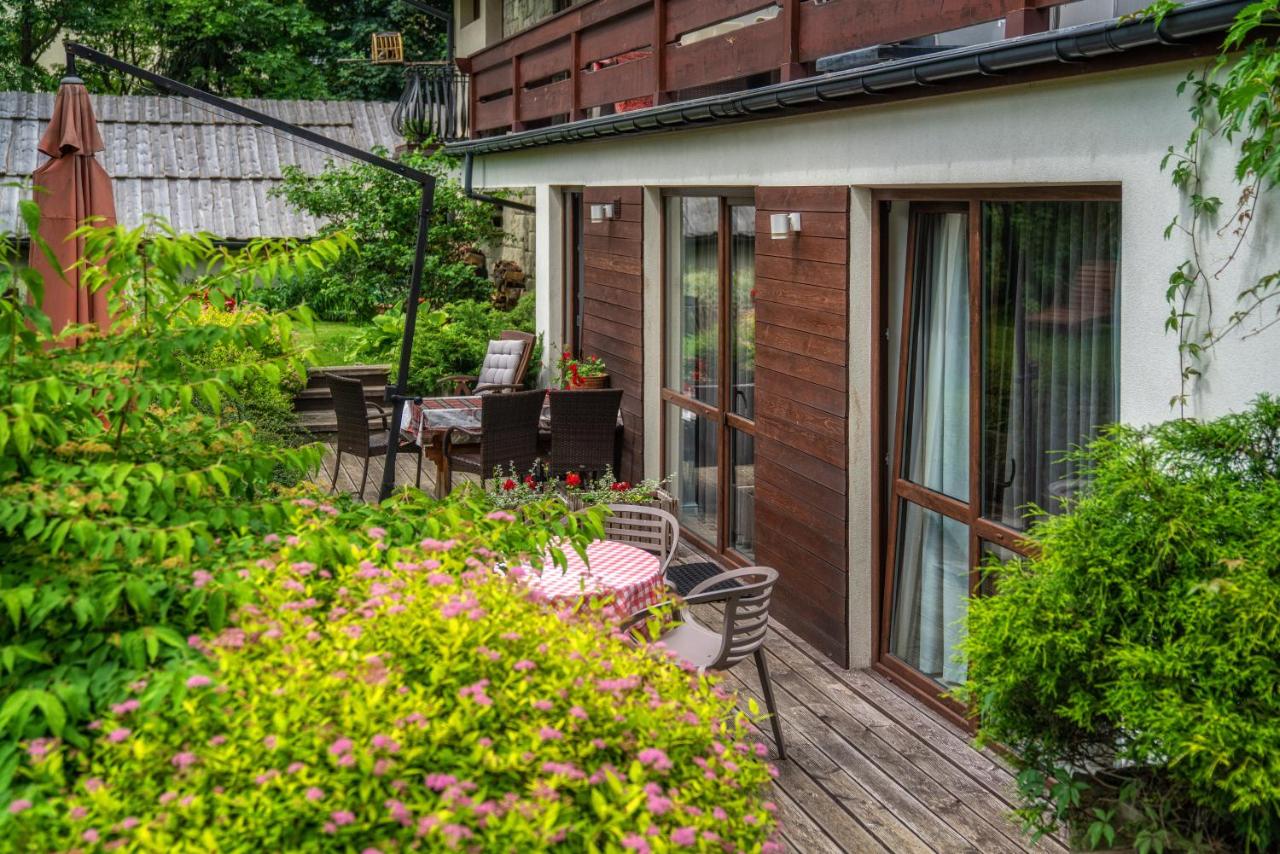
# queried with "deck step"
point(367, 374)
point(323, 422)
point(313, 399)
point(314, 404)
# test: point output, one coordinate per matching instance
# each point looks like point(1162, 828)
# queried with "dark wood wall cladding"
point(613, 311)
point(802, 404)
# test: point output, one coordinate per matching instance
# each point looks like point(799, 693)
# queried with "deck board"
point(869, 769)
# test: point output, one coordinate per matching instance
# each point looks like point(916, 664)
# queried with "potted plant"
point(589, 372)
point(508, 489)
point(581, 492)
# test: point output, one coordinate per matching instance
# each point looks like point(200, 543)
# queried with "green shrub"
point(387, 690)
point(454, 339)
point(1132, 665)
point(380, 211)
point(120, 480)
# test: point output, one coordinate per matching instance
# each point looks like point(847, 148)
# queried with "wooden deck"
point(869, 768)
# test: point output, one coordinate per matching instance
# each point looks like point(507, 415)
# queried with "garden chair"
point(505, 364)
point(584, 431)
point(355, 437)
point(508, 436)
point(745, 595)
point(649, 528)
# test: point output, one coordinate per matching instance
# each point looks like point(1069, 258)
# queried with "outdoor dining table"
point(631, 576)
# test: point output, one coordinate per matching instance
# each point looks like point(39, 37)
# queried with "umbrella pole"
point(399, 396)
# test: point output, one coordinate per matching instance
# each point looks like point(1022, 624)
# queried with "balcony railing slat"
point(685, 16)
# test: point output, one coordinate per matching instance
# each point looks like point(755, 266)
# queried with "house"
point(200, 169)
point(863, 269)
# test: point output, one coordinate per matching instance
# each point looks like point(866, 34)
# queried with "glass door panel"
point(742, 494)
point(693, 298)
point(742, 309)
point(693, 454)
point(930, 593)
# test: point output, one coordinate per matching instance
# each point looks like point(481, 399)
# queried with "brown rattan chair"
point(745, 595)
point(354, 434)
point(505, 364)
point(584, 431)
point(508, 436)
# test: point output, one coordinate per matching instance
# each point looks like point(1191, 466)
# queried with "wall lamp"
point(613, 210)
point(783, 225)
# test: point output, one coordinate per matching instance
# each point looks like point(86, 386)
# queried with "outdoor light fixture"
point(783, 225)
point(613, 210)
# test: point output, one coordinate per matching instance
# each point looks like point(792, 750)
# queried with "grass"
point(331, 341)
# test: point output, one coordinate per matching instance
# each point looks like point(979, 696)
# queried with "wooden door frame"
point(887, 483)
point(572, 285)
point(725, 420)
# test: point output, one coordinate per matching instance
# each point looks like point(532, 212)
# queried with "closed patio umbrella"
point(70, 187)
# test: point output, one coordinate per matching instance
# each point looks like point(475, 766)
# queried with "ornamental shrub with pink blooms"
point(384, 689)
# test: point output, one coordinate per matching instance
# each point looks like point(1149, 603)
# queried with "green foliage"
point(128, 464)
point(333, 343)
point(1132, 665)
point(1234, 104)
point(386, 689)
point(234, 48)
point(380, 211)
point(454, 339)
point(379, 341)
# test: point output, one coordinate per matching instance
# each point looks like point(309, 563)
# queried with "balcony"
point(611, 56)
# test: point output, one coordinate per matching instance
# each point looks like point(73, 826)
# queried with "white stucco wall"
point(1107, 129)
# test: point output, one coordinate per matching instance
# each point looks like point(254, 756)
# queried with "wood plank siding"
point(613, 309)
point(802, 404)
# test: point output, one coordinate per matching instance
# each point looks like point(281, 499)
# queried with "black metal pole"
point(398, 396)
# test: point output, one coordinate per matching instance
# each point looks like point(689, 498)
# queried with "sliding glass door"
point(1001, 359)
point(709, 371)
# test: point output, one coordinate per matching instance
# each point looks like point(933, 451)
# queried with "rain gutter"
point(1071, 45)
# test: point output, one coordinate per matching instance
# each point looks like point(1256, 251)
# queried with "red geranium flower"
point(573, 479)
point(508, 484)
point(229, 303)
point(529, 481)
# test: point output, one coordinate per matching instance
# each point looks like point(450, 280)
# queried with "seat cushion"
point(694, 643)
point(500, 363)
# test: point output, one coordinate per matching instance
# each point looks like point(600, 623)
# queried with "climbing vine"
point(1235, 101)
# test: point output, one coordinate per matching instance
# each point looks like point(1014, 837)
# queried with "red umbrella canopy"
point(71, 187)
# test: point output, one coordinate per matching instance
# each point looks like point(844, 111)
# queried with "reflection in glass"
point(742, 494)
point(937, 431)
point(1050, 281)
point(692, 454)
point(742, 310)
point(693, 299)
point(930, 591)
point(991, 558)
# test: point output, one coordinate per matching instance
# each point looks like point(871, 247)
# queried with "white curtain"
point(932, 574)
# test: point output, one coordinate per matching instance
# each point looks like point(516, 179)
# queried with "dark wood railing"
point(624, 54)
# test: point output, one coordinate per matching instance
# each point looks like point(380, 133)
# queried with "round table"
point(632, 576)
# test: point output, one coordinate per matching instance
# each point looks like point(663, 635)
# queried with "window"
point(1001, 358)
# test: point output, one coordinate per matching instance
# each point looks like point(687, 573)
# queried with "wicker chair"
point(745, 595)
point(505, 364)
point(508, 436)
point(354, 436)
point(584, 431)
point(649, 528)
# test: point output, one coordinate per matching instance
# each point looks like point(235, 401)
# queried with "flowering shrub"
point(508, 489)
point(385, 689)
point(608, 490)
point(571, 371)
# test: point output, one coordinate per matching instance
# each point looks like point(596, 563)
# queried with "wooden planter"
point(601, 381)
point(663, 500)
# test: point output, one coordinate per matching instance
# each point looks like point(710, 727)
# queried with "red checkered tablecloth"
point(631, 575)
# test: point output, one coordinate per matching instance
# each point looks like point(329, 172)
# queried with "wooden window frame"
point(890, 489)
point(722, 416)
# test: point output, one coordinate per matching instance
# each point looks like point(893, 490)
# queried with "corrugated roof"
point(200, 169)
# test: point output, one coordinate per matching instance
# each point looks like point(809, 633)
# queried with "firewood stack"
point(508, 284)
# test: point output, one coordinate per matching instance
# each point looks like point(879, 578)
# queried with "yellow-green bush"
point(387, 690)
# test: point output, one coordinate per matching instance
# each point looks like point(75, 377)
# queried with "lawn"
point(332, 341)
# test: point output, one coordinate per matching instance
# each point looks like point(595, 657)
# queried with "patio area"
point(869, 768)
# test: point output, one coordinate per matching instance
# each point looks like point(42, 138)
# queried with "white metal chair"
point(650, 528)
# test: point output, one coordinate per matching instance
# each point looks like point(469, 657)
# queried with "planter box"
point(663, 500)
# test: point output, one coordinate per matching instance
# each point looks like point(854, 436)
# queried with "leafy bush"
point(119, 478)
point(454, 339)
point(380, 211)
point(387, 689)
point(1132, 664)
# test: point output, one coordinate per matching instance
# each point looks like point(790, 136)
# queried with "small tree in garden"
point(380, 211)
point(1132, 665)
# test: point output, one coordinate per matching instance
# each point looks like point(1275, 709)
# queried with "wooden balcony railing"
point(625, 54)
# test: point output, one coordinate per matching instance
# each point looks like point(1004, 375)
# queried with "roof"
point(200, 169)
point(1183, 29)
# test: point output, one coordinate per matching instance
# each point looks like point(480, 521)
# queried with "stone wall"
point(519, 14)
point(518, 243)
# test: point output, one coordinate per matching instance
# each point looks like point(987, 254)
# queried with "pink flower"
point(655, 758)
point(659, 805)
point(548, 733)
point(124, 708)
point(684, 836)
point(636, 843)
point(314, 793)
point(377, 533)
point(183, 760)
point(578, 712)
point(217, 741)
point(719, 814)
point(382, 742)
point(20, 805)
point(200, 578)
point(163, 799)
point(118, 735)
point(90, 835)
point(500, 516)
point(294, 767)
point(341, 746)
point(523, 665)
point(270, 742)
point(342, 818)
point(127, 823)
point(271, 539)
point(77, 813)
point(199, 681)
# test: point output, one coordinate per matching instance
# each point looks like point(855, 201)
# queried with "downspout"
point(481, 197)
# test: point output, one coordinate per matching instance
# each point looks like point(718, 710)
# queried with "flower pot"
point(601, 381)
point(662, 499)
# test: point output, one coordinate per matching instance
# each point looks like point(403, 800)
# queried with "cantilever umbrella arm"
point(398, 394)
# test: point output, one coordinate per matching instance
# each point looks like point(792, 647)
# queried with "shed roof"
point(200, 169)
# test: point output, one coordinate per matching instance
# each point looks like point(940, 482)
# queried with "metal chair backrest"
point(509, 430)
point(352, 414)
point(746, 610)
point(584, 430)
point(650, 528)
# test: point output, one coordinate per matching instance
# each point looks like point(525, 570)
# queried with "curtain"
point(932, 573)
point(1050, 279)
